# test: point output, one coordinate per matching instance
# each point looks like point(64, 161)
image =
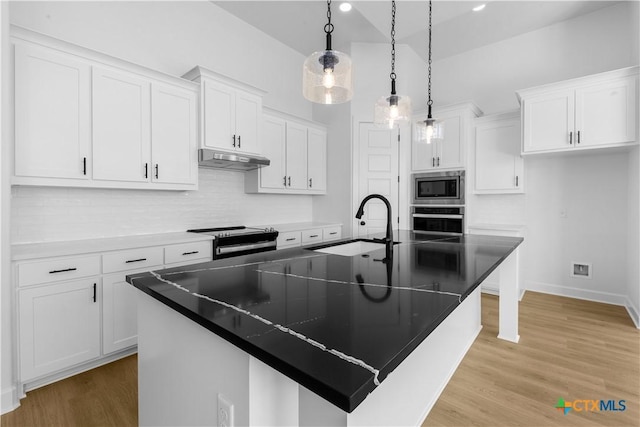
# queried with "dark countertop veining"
point(336, 324)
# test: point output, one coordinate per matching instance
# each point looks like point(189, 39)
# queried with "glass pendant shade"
point(326, 77)
point(429, 130)
point(392, 110)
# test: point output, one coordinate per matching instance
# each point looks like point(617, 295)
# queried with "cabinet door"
point(121, 134)
point(119, 313)
point(317, 160)
point(606, 113)
point(274, 133)
point(218, 116)
point(173, 135)
point(59, 327)
point(248, 113)
point(548, 122)
point(450, 151)
point(296, 156)
point(498, 162)
point(52, 114)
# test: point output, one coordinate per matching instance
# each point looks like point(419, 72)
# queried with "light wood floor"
point(568, 348)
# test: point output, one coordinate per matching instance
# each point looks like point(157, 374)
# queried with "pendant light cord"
point(430, 102)
point(393, 46)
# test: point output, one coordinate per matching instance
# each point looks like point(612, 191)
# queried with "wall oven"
point(444, 188)
point(447, 221)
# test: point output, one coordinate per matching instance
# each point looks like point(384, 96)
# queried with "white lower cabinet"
point(75, 311)
point(59, 326)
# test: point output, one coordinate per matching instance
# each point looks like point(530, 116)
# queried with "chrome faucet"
point(389, 238)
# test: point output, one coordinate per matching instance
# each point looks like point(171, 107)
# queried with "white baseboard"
point(10, 399)
point(596, 296)
point(492, 289)
point(633, 312)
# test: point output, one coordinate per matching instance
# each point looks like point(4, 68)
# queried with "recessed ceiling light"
point(478, 8)
point(345, 7)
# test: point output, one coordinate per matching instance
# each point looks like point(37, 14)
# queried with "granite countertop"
point(26, 251)
point(338, 325)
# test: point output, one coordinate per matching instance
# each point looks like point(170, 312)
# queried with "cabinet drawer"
point(132, 259)
point(56, 269)
point(331, 233)
point(188, 251)
point(289, 239)
point(312, 236)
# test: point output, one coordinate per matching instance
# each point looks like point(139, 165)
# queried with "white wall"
point(633, 249)
point(171, 37)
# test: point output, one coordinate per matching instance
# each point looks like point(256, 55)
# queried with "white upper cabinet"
point(84, 119)
point(498, 164)
point(121, 132)
point(590, 112)
point(449, 151)
point(52, 114)
point(298, 153)
point(174, 135)
point(231, 112)
point(317, 160)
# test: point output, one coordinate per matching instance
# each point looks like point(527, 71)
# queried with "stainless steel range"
point(240, 240)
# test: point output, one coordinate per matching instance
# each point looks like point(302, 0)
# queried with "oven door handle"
point(244, 247)
point(452, 216)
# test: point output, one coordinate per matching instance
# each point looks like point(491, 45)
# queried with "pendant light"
point(429, 129)
point(326, 74)
point(393, 109)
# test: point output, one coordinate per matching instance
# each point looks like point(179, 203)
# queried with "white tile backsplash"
point(41, 214)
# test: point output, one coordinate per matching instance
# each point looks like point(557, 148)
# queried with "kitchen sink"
point(350, 247)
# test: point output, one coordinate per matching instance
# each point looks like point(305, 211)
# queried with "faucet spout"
point(389, 237)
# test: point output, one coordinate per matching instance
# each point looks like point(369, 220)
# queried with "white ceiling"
point(456, 28)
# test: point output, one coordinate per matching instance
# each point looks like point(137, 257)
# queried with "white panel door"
point(121, 126)
point(548, 122)
point(450, 152)
point(317, 160)
point(218, 116)
point(274, 140)
point(296, 156)
point(378, 174)
point(497, 151)
point(52, 114)
point(248, 115)
point(59, 327)
point(606, 113)
point(173, 135)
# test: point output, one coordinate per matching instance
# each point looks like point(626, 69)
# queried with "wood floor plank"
point(568, 348)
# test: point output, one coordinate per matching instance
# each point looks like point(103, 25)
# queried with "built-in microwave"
point(445, 188)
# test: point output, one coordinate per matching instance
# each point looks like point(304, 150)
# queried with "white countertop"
point(298, 226)
point(28, 251)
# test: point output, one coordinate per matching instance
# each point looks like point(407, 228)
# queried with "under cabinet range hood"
point(219, 159)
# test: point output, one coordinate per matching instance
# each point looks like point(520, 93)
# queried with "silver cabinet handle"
point(570, 137)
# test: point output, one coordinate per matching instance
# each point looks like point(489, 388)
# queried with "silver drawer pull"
point(291, 239)
point(63, 271)
point(135, 260)
point(190, 253)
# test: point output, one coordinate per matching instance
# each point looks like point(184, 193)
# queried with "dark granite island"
point(301, 337)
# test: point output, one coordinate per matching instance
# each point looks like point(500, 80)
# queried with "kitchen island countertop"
point(337, 325)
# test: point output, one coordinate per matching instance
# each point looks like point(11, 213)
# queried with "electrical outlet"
point(581, 269)
point(225, 412)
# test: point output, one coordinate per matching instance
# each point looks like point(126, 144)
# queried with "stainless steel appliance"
point(240, 240)
point(443, 188)
point(448, 221)
point(219, 159)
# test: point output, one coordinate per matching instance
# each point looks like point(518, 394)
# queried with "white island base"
point(183, 368)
